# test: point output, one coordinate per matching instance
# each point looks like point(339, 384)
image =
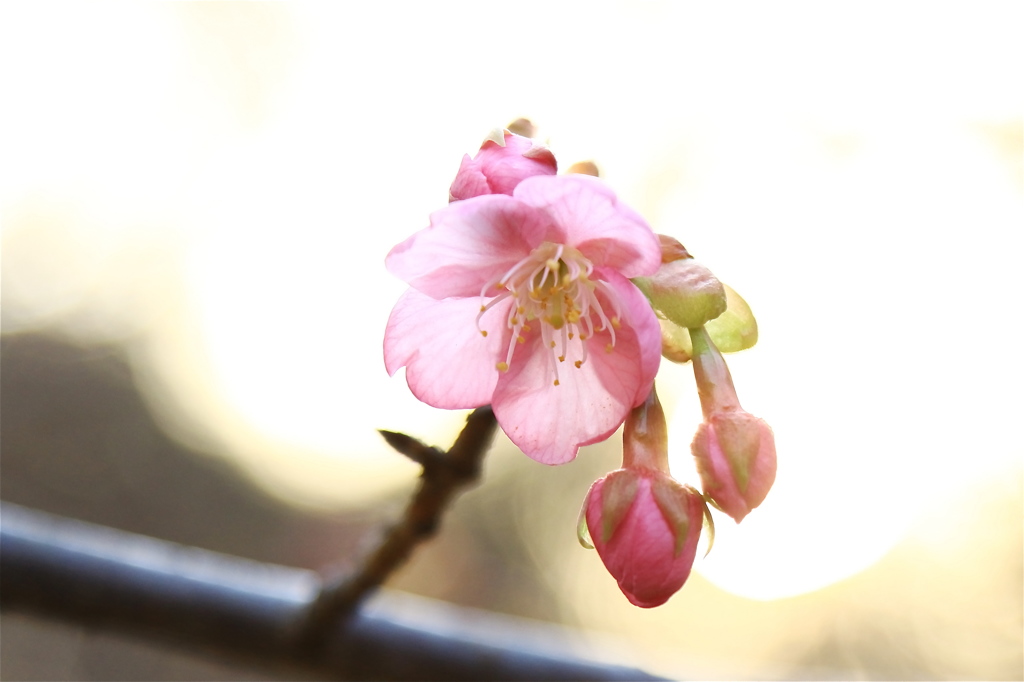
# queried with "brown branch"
point(235, 609)
point(444, 475)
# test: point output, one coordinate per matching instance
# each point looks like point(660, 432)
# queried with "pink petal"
point(550, 423)
point(449, 364)
point(468, 245)
point(469, 181)
point(593, 220)
point(639, 317)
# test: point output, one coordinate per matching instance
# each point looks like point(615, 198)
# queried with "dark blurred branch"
point(444, 475)
point(213, 603)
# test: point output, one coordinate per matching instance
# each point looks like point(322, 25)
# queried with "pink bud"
point(645, 527)
point(504, 160)
point(735, 450)
point(735, 454)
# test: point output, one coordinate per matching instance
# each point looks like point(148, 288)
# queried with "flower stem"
point(714, 382)
point(645, 436)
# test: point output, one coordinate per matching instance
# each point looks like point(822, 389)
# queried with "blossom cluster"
point(548, 298)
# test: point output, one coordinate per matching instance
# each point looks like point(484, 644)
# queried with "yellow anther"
point(520, 339)
point(551, 343)
point(483, 332)
point(615, 322)
point(609, 348)
point(561, 358)
point(556, 382)
point(501, 366)
point(483, 309)
point(583, 336)
point(578, 363)
point(574, 316)
point(571, 335)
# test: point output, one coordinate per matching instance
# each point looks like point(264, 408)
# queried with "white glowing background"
point(839, 174)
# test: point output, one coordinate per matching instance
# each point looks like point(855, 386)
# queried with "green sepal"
point(670, 496)
point(675, 341)
point(732, 331)
point(582, 530)
point(740, 440)
point(617, 496)
point(735, 329)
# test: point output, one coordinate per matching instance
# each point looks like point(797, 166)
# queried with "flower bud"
point(735, 454)
point(504, 160)
point(645, 527)
point(683, 291)
point(735, 451)
point(644, 524)
point(732, 331)
point(584, 168)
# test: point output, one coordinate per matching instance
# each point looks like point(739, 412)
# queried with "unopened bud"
point(735, 453)
point(682, 290)
point(504, 160)
point(584, 168)
point(645, 527)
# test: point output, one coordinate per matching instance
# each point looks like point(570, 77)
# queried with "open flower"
point(524, 302)
point(504, 160)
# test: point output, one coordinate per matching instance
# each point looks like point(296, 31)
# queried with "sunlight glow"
point(865, 222)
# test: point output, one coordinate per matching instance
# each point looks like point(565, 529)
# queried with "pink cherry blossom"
point(524, 302)
point(645, 527)
point(504, 160)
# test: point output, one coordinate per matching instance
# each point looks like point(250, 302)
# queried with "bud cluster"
point(644, 524)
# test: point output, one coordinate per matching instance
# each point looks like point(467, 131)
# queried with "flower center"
point(551, 289)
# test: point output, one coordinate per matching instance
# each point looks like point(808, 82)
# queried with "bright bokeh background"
point(216, 185)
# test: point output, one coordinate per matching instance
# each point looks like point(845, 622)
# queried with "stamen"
point(552, 285)
point(493, 302)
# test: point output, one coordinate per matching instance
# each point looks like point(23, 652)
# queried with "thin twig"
point(444, 475)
